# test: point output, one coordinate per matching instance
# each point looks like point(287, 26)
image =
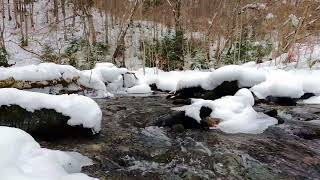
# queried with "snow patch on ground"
point(81, 110)
point(22, 158)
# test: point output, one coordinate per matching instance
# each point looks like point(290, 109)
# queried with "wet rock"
point(44, 123)
point(307, 96)
point(177, 118)
point(178, 128)
point(205, 112)
point(154, 87)
point(284, 101)
point(225, 89)
point(182, 101)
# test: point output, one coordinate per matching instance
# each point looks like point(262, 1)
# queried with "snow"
point(303, 56)
point(106, 77)
point(41, 72)
point(246, 77)
point(22, 158)
point(236, 113)
point(103, 78)
point(177, 80)
point(312, 100)
point(140, 89)
point(290, 83)
point(279, 84)
point(168, 81)
point(73, 106)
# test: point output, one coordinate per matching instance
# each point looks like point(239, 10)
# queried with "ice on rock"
point(236, 113)
point(81, 110)
point(22, 158)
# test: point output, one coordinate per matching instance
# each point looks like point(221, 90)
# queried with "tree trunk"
point(120, 48)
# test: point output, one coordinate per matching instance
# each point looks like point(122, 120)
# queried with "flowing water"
point(131, 147)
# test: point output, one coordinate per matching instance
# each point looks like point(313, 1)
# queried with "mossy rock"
point(44, 123)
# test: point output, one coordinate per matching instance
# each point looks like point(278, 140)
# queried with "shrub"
point(3, 57)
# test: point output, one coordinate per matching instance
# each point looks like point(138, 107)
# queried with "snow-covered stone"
point(140, 89)
point(41, 72)
point(236, 113)
point(290, 83)
point(246, 77)
point(81, 110)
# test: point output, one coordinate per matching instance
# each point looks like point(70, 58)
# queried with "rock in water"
point(224, 89)
point(44, 123)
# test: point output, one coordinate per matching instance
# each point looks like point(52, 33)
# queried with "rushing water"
point(131, 147)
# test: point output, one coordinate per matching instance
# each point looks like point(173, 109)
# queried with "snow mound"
point(246, 77)
point(41, 72)
point(168, 81)
point(81, 110)
point(99, 81)
point(236, 113)
point(107, 77)
point(312, 100)
point(292, 84)
point(22, 158)
point(177, 80)
point(140, 89)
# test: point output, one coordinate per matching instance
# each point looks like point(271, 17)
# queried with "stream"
point(130, 146)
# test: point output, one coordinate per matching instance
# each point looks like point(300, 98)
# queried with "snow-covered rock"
point(291, 83)
point(140, 89)
point(168, 81)
point(97, 82)
point(236, 113)
point(312, 100)
point(22, 158)
point(82, 110)
point(106, 77)
point(246, 77)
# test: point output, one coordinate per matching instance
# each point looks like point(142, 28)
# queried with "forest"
point(185, 34)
